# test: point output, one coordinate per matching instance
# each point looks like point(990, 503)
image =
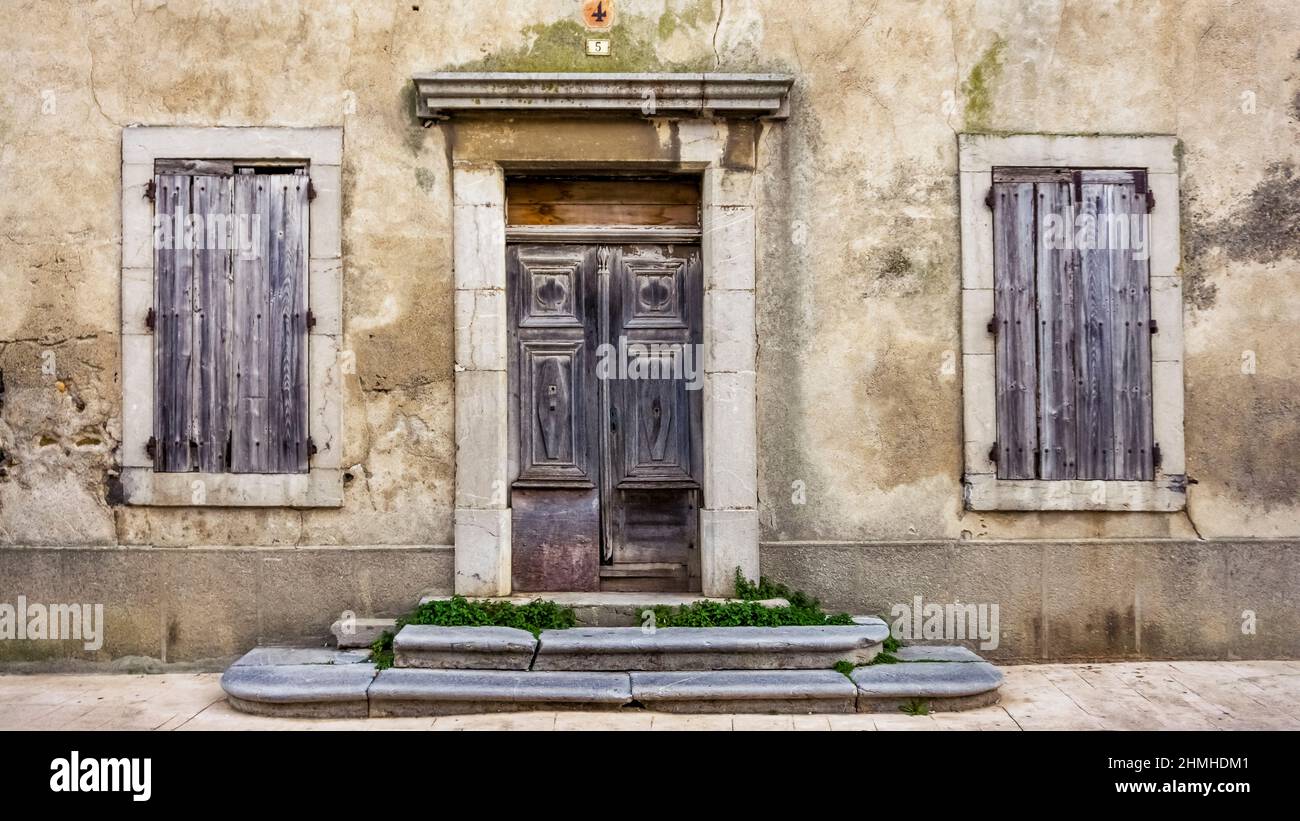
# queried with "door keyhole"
point(551, 392)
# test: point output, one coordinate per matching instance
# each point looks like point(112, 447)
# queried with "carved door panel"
point(555, 494)
point(650, 493)
point(606, 416)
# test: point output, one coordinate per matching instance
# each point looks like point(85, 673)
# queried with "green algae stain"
point(698, 13)
point(977, 89)
point(562, 47)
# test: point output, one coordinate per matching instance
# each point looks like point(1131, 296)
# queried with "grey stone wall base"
point(707, 648)
point(1070, 601)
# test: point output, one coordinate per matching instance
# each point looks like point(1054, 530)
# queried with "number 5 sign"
point(598, 14)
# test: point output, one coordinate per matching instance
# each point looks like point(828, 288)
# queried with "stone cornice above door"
point(441, 94)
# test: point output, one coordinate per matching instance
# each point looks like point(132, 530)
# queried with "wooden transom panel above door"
point(663, 202)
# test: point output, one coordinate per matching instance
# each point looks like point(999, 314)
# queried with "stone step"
point(308, 690)
point(360, 633)
point(939, 685)
point(407, 692)
point(315, 683)
point(745, 691)
point(463, 648)
point(611, 609)
point(708, 648)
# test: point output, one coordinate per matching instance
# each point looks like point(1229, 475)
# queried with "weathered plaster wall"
point(859, 362)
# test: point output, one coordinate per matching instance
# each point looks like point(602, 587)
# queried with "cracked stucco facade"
point(858, 304)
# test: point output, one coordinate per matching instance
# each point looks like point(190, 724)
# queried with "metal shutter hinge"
point(311, 446)
point(993, 453)
point(150, 319)
point(1151, 200)
point(151, 448)
point(1155, 456)
point(993, 325)
point(311, 191)
point(150, 190)
point(311, 319)
point(988, 198)
point(1155, 329)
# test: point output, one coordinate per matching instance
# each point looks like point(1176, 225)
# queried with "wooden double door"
point(605, 384)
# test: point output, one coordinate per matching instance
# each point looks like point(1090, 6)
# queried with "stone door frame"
point(729, 529)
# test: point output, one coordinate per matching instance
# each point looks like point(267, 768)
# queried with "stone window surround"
point(978, 155)
point(729, 527)
point(322, 485)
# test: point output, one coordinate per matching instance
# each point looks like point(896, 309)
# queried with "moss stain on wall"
point(977, 89)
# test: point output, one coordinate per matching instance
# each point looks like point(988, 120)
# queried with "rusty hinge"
point(1155, 329)
point(1155, 456)
point(988, 198)
point(311, 190)
point(993, 453)
point(1151, 200)
point(150, 319)
point(993, 325)
point(150, 190)
point(151, 448)
point(311, 319)
point(311, 446)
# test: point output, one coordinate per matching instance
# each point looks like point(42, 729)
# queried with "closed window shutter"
point(1072, 310)
point(1056, 279)
point(270, 327)
point(1015, 351)
point(173, 409)
point(230, 388)
point(1115, 411)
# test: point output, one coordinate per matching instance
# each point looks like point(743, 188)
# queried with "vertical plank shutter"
point(1014, 352)
point(174, 325)
point(270, 408)
point(230, 347)
point(1080, 341)
point(1055, 280)
point(212, 291)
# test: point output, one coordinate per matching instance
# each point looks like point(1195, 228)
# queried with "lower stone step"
point(708, 648)
point(407, 692)
point(304, 690)
point(934, 686)
point(745, 691)
point(313, 682)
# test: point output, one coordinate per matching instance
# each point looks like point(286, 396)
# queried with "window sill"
point(316, 488)
point(1167, 493)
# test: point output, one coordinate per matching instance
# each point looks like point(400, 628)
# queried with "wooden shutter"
point(1016, 362)
point(1072, 310)
point(1115, 426)
point(230, 322)
point(269, 423)
point(173, 325)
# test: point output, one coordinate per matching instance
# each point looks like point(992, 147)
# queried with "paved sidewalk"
point(1183, 695)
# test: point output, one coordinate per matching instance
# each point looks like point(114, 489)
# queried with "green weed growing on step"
point(458, 611)
point(845, 667)
point(802, 611)
point(916, 707)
